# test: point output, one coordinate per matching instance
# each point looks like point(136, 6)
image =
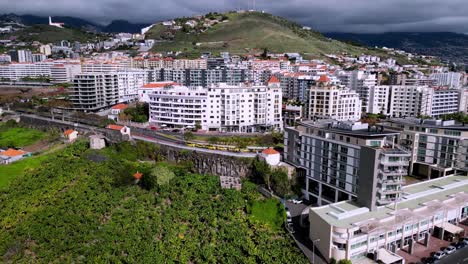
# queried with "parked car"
point(464, 240)
point(458, 245)
point(439, 255)
point(430, 260)
point(449, 250)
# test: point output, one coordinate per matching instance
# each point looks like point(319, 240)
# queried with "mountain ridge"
point(449, 46)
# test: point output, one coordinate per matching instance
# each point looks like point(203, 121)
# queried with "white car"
point(439, 254)
point(294, 201)
point(450, 249)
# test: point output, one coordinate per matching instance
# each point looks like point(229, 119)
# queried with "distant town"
point(367, 155)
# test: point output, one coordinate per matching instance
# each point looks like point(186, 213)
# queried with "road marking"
point(464, 260)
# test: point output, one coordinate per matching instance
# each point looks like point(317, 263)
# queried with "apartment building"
point(362, 82)
point(344, 161)
point(348, 230)
point(129, 81)
point(18, 71)
point(177, 106)
point(326, 101)
point(64, 73)
point(295, 85)
point(21, 56)
point(197, 77)
point(410, 101)
point(94, 91)
point(438, 148)
point(220, 107)
point(452, 80)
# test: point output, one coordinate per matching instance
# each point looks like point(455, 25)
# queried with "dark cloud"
point(328, 15)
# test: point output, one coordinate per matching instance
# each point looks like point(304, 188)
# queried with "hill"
point(248, 32)
point(82, 206)
point(451, 47)
point(49, 34)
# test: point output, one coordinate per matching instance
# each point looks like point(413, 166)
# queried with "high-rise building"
point(94, 91)
point(326, 101)
point(21, 56)
point(439, 148)
point(220, 107)
point(346, 161)
point(453, 80)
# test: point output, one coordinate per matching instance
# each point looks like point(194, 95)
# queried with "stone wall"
point(206, 163)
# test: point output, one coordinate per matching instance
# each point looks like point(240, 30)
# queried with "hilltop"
point(248, 32)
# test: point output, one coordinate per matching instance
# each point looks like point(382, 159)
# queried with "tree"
point(198, 125)
point(213, 140)
point(345, 261)
point(261, 171)
point(188, 136)
point(280, 182)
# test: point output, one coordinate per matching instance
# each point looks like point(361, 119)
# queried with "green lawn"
point(16, 169)
point(19, 137)
point(269, 212)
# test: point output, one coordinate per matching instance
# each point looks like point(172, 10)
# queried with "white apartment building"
point(17, 71)
point(361, 82)
point(346, 230)
point(5, 58)
point(453, 80)
point(94, 91)
point(129, 83)
point(21, 56)
point(379, 100)
point(45, 49)
point(221, 107)
point(331, 102)
point(150, 88)
point(410, 101)
point(177, 106)
point(96, 66)
point(64, 73)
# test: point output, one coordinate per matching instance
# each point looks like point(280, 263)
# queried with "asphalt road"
point(458, 257)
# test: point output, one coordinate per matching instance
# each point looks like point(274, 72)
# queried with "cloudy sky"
point(323, 15)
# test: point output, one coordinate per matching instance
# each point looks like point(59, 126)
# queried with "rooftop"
point(12, 153)
point(356, 129)
point(429, 123)
point(418, 201)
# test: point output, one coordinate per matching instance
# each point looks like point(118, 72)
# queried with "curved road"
point(156, 139)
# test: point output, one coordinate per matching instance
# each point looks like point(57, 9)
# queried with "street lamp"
point(313, 249)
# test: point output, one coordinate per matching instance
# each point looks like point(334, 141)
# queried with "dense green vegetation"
point(139, 113)
point(252, 32)
point(275, 179)
point(82, 205)
point(269, 211)
point(12, 136)
point(460, 117)
point(11, 171)
point(50, 34)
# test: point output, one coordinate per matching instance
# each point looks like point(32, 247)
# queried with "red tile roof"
point(119, 106)
point(68, 132)
point(115, 127)
point(158, 85)
point(270, 151)
point(323, 78)
point(274, 79)
point(137, 175)
point(12, 153)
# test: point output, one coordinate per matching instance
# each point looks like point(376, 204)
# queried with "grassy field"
point(19, 168)
point(11, 171)
point(269, 212)
point(18, 137)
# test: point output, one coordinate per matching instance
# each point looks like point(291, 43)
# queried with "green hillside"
point(82, 206)
point(251, 32)
point(49, 34)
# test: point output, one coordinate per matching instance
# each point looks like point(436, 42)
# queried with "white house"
point(70, 135)
point(271, 156)
point(116, 110)
point(124, 130)
point(11, 155)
